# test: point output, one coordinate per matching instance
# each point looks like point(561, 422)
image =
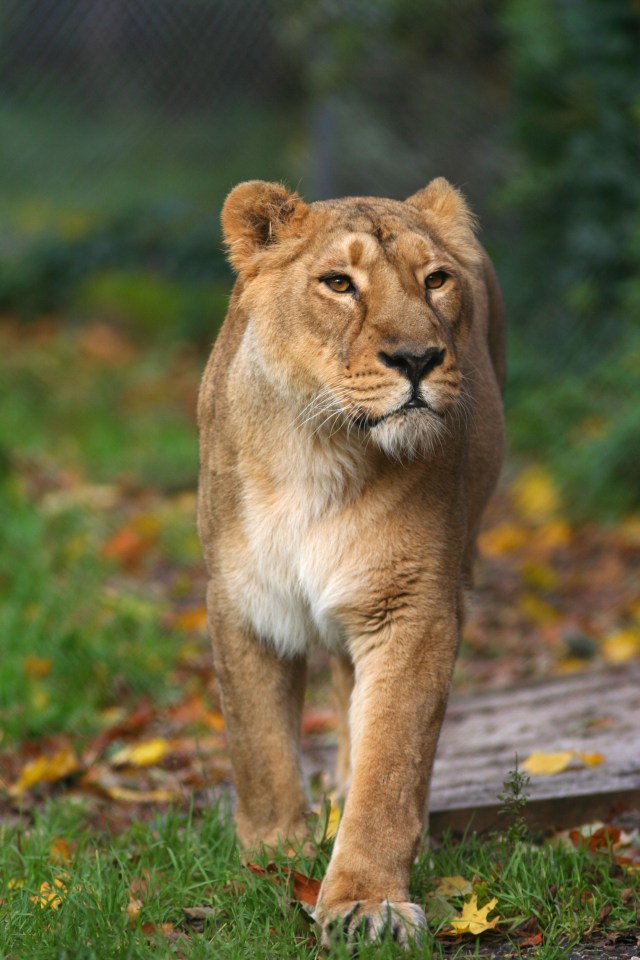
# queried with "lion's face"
point(359, 310)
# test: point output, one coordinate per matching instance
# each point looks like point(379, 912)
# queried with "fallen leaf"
point(36, 666)
point(305, 889)
point(50, 894)
point(474, 919)
point(193, 619)
point(319, 720)
point(503, 539)
point(133, 908)
point(537, 610)
point(546, 764)
point(46, 769)
point(333, 818)
point(591, 759)
point(621, 646)
point(126, 795)
point(60, 851)
point(215, 720)
point(535, 494)
point(532, 941)
point(128, 546)
point(145, 754)
point(453, 887)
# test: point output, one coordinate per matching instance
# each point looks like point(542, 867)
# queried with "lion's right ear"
point(254, 215)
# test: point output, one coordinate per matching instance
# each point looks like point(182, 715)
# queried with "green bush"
point(570, 275)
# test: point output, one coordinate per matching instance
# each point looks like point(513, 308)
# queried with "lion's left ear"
point(254, 216)
point(448, 208)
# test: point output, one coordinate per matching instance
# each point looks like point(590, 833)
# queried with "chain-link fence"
point(125, 101)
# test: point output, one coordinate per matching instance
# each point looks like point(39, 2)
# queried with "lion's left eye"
point(339, 283)
point(436, 280)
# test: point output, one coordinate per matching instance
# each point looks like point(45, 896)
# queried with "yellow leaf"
point(540, 576)
point(60, 851)
point(50, 894)
point(535, 495)
point(503, 539)
point(36, 666)
point(545, 764)
point(46, 770)
point(473, 919)
point(453, 887)
point(215, 720)
point(537, 610)
point(621, 646)
point(333, 820)
point(126, 795)
point(193, 619)
point(570, 665)
point(133, 908)
point(591, 759)
point(144, 754)
point(552, 534)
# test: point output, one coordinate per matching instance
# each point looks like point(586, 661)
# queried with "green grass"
point(181, 860)
point(69, 423)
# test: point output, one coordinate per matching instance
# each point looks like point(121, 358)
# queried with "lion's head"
point(359, 309)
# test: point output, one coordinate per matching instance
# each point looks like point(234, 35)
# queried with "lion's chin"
point(409, 434)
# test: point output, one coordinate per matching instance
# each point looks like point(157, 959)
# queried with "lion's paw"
point(369, 921)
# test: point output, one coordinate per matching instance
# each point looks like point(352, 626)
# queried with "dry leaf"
point(60, 851)
point(50, 894)
point(36, 666)
point(333, 820)
point(591, 759)
point(46, 770)
point(128, 546)
point(318, 720)
point(453, 887)
point(621, 646)
point(133, 908)
point(535, 495)
point(145, 754)
point(126, 795)
point(546, 764)
point(473, 919)
point(503, 539)
point(305, 889)
point(193, 619)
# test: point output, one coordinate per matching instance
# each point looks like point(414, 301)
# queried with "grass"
point(123, 896)
point(75, 434)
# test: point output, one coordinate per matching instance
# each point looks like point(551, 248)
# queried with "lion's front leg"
point(262, 697)
point(399, 699)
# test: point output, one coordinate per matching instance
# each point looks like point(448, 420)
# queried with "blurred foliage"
point(575, 191)
point(110, 214)
point(156, 269)
point(571, 277)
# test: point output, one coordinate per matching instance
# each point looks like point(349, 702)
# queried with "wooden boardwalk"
point(586, 713)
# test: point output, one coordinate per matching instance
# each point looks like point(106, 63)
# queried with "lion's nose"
point(413, 365)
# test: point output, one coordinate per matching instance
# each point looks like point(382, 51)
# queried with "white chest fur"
point(297, 566)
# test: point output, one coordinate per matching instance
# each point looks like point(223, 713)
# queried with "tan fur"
point(331, 513)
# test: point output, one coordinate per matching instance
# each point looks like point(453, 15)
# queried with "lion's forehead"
point(350, 246)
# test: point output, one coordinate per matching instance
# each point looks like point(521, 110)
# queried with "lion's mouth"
point(414, 403)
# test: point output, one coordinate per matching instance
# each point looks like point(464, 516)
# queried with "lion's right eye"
point(339, 283)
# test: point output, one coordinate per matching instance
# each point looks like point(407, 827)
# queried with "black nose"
point(414, 366)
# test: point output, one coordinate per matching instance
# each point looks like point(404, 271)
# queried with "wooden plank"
point(586, 713)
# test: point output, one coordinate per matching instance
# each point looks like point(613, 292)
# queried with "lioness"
point(351, 433)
